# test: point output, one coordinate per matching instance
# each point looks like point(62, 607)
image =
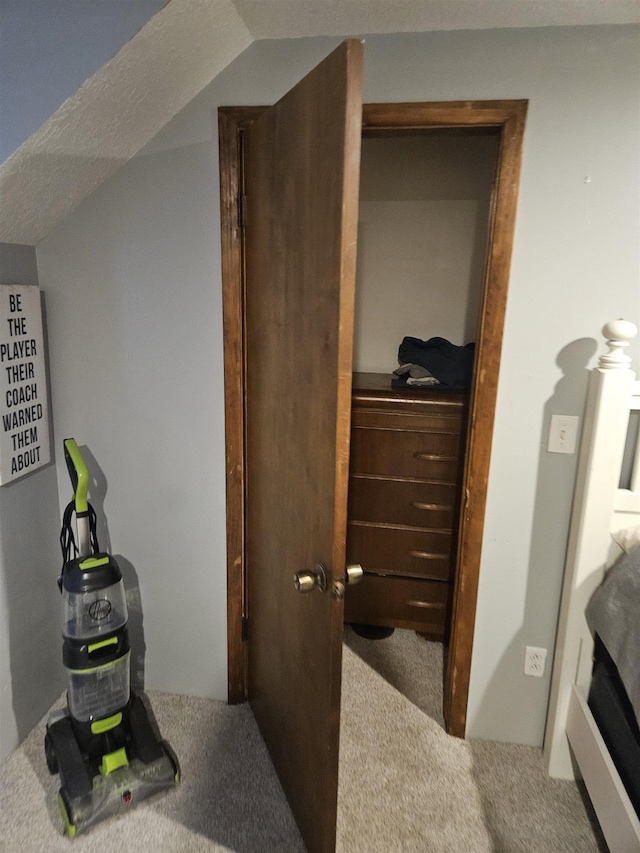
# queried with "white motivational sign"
point(24, 434)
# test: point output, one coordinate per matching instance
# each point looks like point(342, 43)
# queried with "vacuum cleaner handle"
point(79, 474)
point(87, 543)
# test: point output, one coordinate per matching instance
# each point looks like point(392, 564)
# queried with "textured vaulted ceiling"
point(182, 48)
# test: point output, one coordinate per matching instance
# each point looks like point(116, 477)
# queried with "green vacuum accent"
point(79, 474)
point(113, 761)
point(100, 726)
point(93, 647)
point(94, 563)
point(103, 746)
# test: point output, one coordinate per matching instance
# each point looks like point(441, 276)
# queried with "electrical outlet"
point(534, 661)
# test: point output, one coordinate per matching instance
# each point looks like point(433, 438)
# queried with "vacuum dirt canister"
point(103, 744)
point(93, 598)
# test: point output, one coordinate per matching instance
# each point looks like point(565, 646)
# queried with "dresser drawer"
point(447, 424)
point(421, 455)
point(419, 605)
point(404, 502)
point(401, 551)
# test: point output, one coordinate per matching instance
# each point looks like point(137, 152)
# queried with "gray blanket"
point(614, 614)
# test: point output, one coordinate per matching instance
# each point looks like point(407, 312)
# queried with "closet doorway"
point(424, 210)
point(297, 164)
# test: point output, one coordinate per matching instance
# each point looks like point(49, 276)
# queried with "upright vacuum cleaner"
point(102, 745)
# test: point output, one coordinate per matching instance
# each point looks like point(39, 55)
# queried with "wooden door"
point(301, 162)
point(507, 118)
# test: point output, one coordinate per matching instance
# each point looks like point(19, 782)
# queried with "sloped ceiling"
point(297, 18)
point(115, 113)
point(182, 48)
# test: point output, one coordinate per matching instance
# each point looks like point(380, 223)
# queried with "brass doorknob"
point(306, 581)
point(353, 574)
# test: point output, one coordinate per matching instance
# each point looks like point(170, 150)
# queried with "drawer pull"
point(435, 457)
point(427, 555)
point(426, 605)
point(431, 507)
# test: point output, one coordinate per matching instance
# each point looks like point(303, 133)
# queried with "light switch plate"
point(563, 433)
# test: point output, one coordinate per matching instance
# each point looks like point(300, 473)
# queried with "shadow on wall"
point(554, 500)
point(97, 493)
point(547, 554)
point(550, 530)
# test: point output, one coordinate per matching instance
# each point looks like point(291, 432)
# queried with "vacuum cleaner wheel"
point(50, 755)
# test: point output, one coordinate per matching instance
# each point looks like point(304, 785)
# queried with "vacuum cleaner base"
point(98, 780)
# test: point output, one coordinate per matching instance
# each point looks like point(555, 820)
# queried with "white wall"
point(50, 48)
point(422, 238)
point(31, 673)
point(133, 284)
point(136, 350)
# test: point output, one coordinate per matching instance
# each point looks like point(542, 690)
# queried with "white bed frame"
point(573, 745)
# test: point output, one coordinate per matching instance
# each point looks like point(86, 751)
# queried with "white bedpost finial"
point(618, 334)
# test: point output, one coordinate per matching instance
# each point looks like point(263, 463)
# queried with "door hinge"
point(240, 203)
point(245, 629)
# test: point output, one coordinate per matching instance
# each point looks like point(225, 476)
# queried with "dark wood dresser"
point(407, 453)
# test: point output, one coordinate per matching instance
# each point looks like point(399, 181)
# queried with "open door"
point(301, 164)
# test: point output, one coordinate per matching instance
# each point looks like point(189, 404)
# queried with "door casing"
point(507, 120)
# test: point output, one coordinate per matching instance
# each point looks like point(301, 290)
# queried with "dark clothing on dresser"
point(451, 365)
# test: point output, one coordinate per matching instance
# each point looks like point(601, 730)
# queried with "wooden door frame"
point(507, 120)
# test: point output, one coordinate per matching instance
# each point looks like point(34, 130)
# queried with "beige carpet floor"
point(404, 784)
